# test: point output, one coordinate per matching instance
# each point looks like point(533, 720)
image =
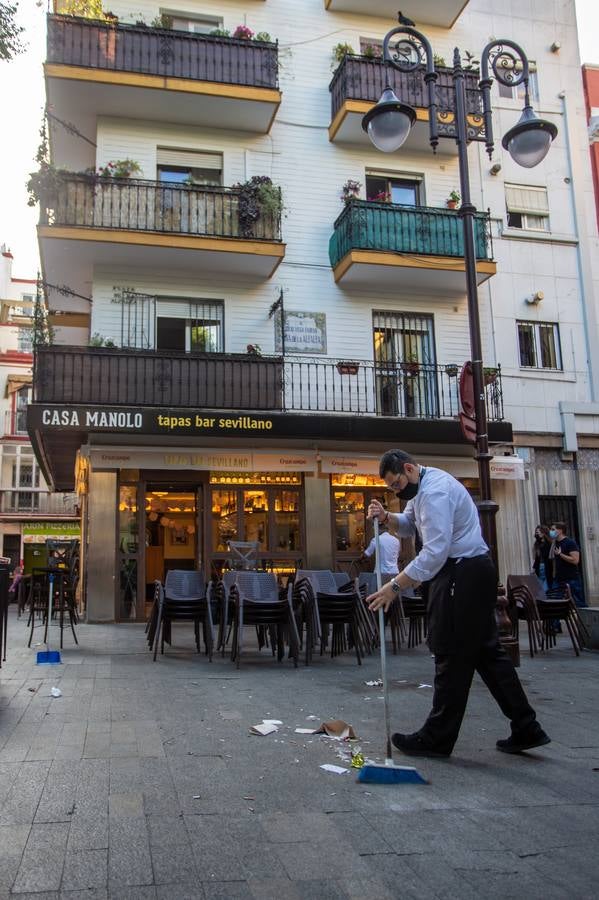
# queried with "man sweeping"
point(461, 583)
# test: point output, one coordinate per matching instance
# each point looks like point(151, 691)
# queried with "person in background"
point(13, 590)
point(566, 559)
point(542, 564)
point(390, 547)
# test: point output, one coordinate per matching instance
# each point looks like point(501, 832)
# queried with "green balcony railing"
point(421, 230)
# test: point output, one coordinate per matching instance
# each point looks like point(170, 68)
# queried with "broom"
point(47, 656)
point(389, 773)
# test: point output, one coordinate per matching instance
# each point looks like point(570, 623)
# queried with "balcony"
point(428, 12)
point(38, 502)
point(128, 393)
point(410, 249)
point(153, 378)
point(358, 83)
point(96, 68)
point(91, 220)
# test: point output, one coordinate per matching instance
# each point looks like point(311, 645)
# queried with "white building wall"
point(298, 155)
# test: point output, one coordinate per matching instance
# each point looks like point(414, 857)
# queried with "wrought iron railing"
point(132, 204)
point(421, 230)
point(82, 375)
point(362, 78)
point(156, 51)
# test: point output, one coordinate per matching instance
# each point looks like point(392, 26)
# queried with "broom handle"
point(50, 597)
point(379, 584)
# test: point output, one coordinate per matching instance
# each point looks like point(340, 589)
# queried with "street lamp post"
point(388, 125)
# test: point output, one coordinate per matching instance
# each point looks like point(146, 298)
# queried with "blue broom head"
point(48, 657)
point(372, 774)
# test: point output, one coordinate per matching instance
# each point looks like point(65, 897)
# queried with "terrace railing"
point(157, 51)
point(132, 204)
point(420, 230)
point(82, 375)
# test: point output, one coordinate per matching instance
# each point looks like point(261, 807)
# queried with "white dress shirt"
point(389, 552)
point(447, 520)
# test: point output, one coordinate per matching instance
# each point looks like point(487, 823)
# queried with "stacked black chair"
point(257, 603)
point(184, 598)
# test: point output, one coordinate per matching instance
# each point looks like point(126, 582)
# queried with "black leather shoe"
point(415, 745)
point(518, 744)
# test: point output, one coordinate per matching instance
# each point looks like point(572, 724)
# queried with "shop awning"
point(15, 382)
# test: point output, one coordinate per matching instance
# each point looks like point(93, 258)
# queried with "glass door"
point(171, 532)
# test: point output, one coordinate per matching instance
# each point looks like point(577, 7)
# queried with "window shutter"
point(527, 200)
point(165, 156)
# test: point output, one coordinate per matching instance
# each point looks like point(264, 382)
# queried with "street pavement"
point(142, 780)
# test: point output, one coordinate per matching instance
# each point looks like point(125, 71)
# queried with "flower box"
point(347, 367)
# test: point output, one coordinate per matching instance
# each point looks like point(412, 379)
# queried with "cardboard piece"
point(336, 728)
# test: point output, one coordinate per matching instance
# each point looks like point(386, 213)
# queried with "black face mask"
point(410, 490)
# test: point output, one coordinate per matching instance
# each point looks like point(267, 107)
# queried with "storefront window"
point(255, 517)
point(257, 506)
point(128, 548)
point(349, 521)
point(224, 519)
point(286, 522)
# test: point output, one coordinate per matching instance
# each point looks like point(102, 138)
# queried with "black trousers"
point(463, 636)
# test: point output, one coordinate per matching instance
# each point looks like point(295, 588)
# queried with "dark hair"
point(394, 461)
point(561, 526)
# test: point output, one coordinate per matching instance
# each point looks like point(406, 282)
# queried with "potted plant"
point(259, 199)
point(98, 340)
point(439, 61)
point(453, 200)
point(120, 168)
point(339, 52)
point(410, 364)
point(243, 33)
point(452, 370)
point(163, 21)
point(254, 350)
point(381, 197)
point(350, 191)
point(490, 374)
point(348, 367)
point(372, 51)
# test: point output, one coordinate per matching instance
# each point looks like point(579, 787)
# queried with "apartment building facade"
point(247, 368)
point(29, 512)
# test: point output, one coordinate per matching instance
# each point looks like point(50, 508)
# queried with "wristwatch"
point(395, 587)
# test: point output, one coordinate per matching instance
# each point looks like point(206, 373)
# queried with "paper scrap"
point(337, 770)
point(312, 718)
point(271, 722)
point(377, 683)
point(425, 685)
point(304, 731)
point(263, 729)
point(55, 692)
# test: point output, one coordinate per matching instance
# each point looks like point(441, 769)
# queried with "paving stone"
point(85, 869)
point(268, 821)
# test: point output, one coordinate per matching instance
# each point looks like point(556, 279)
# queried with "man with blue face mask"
point(461, 587)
